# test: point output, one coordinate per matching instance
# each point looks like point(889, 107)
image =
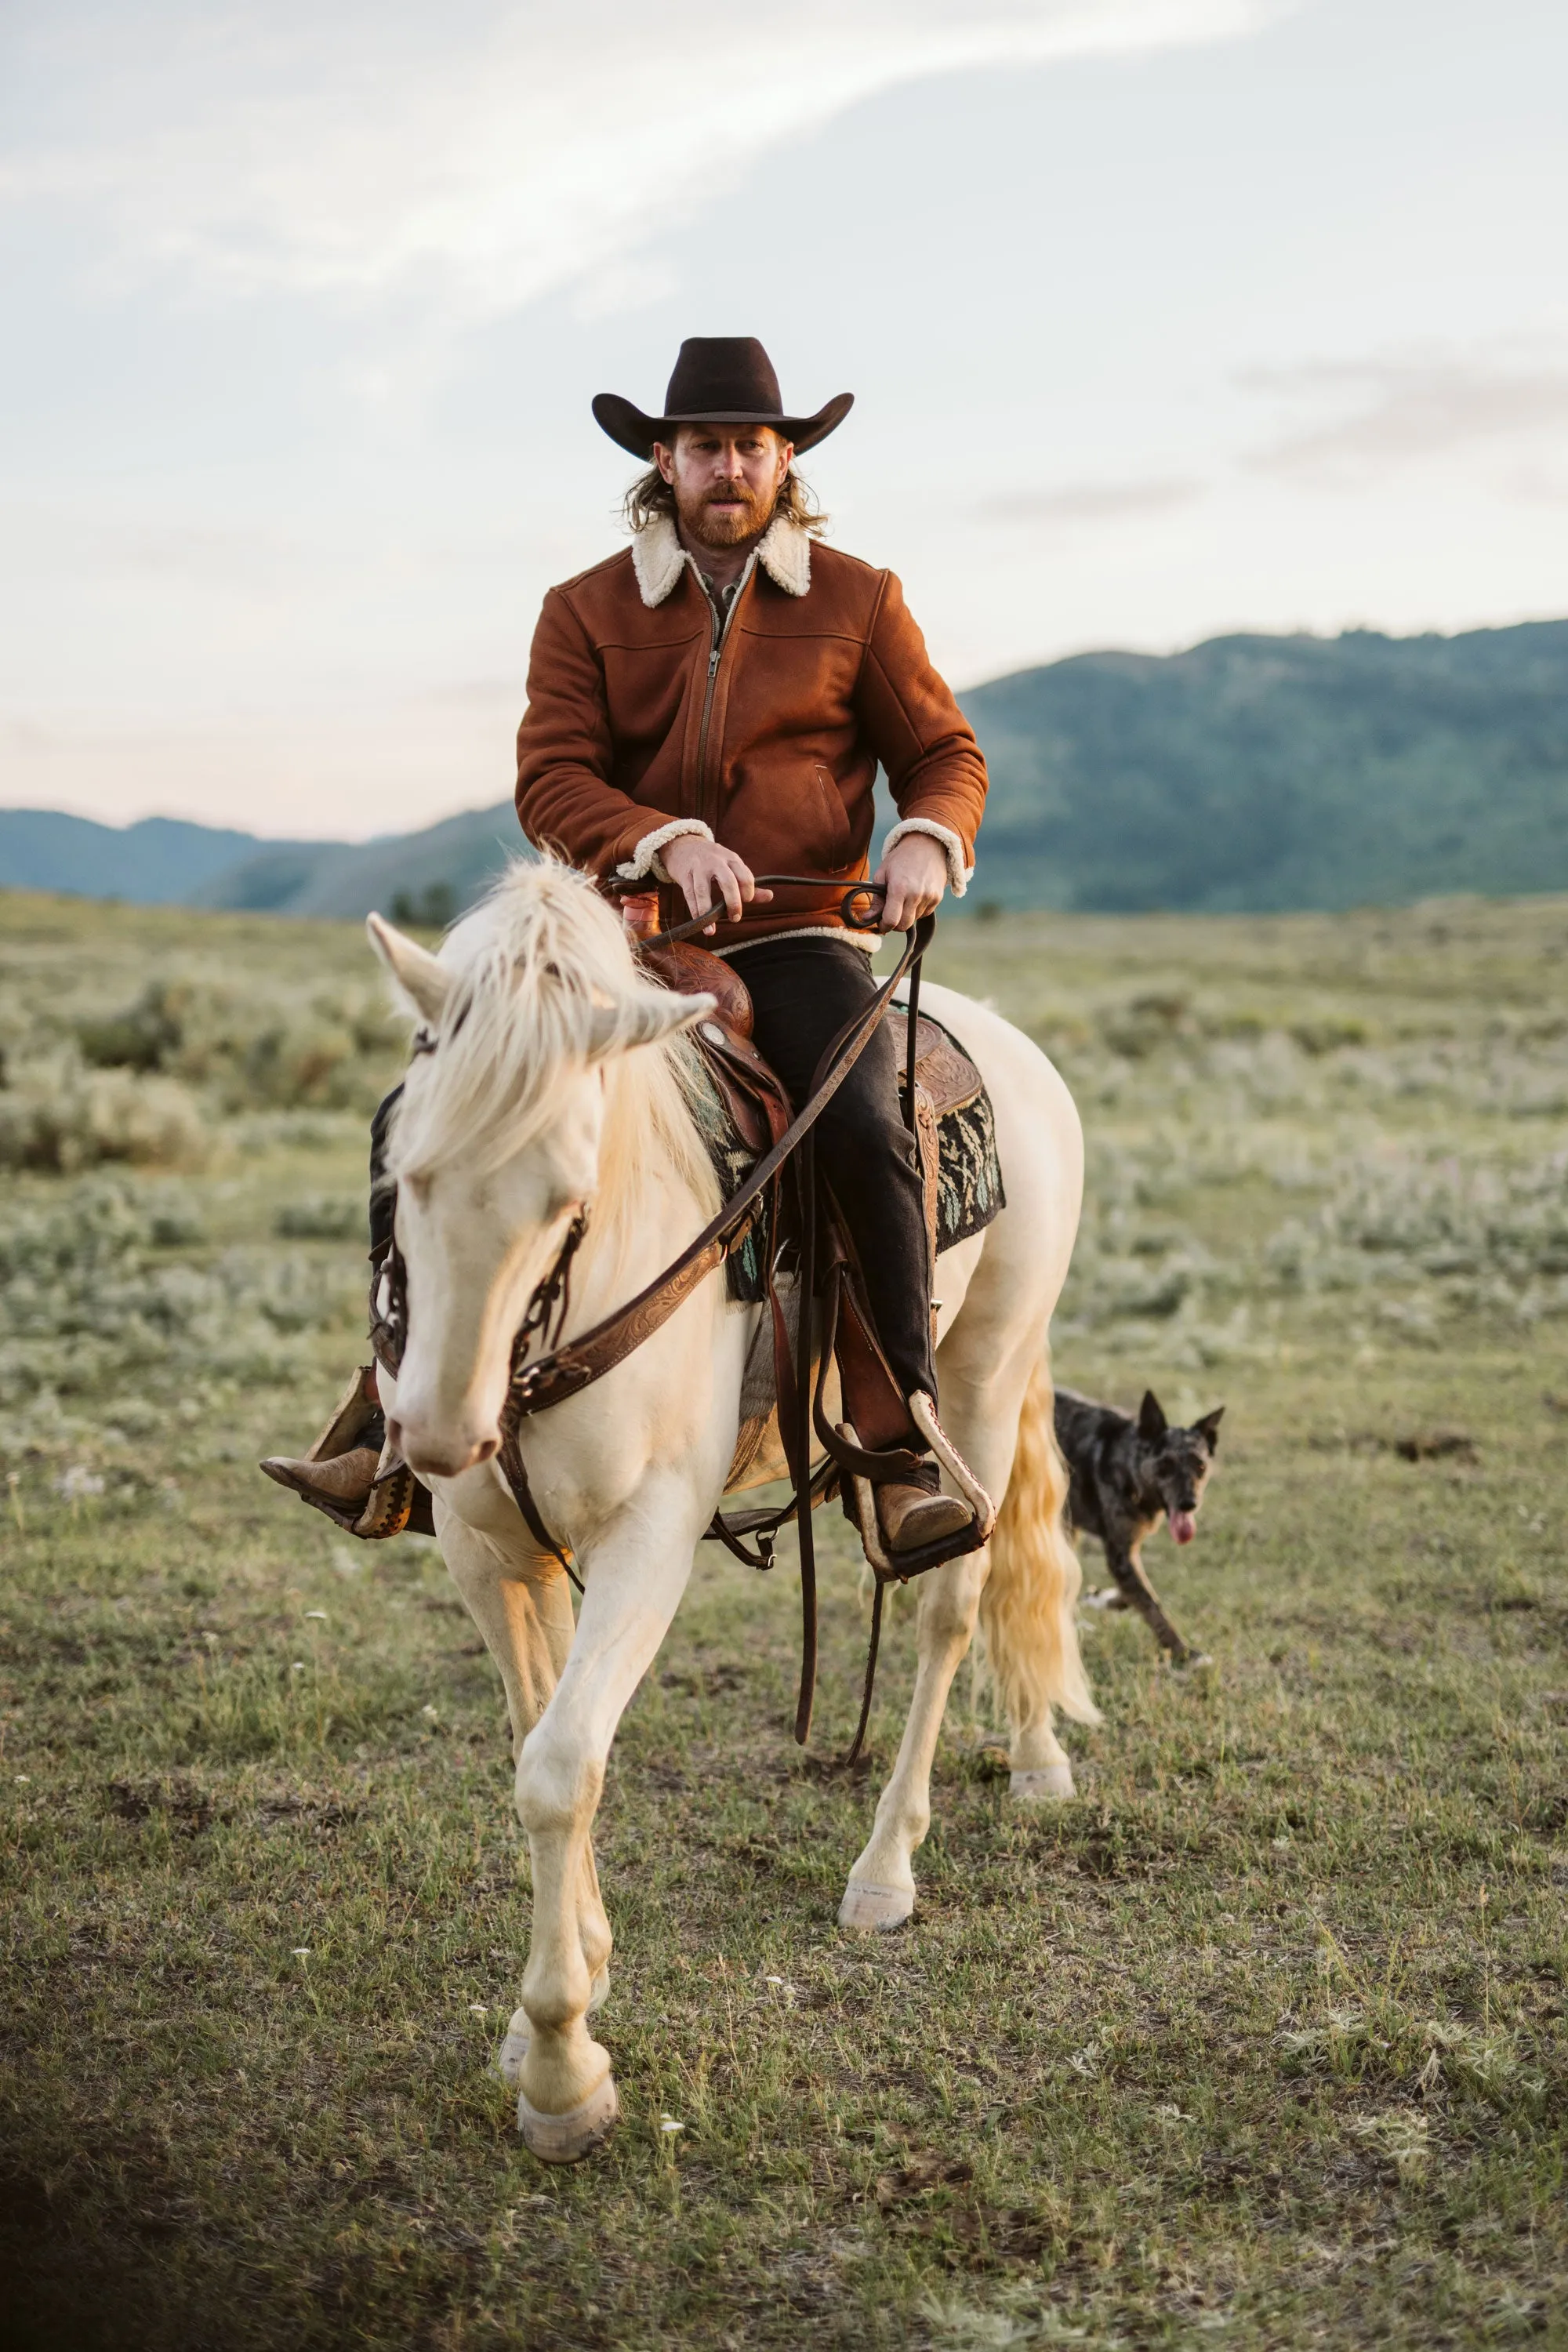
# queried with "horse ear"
point(652, 1014)
point(426, 983)
point(1151, 1422)
point(1209, 1428)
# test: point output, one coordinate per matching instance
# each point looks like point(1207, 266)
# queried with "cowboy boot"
point(911, 1515)
point(339, 1471)
point(344, 1482)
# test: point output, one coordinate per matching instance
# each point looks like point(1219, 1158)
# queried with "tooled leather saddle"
point(753, 1096)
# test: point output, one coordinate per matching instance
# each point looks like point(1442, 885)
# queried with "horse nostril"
point(394, 1433)
point(485, 1448)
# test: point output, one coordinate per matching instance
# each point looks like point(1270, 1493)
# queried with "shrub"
point(60, 1117)
point(281, 1048)
point(146, 1037)
point(90, 1295)
point(321, 1218)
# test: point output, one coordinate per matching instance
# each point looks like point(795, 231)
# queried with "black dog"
point(1126, 1476)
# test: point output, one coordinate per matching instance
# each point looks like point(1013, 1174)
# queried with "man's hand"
point(915, 873)
point(704, 871)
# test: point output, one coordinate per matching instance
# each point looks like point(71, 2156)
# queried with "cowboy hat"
point(718, 380)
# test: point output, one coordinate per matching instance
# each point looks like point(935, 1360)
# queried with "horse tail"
point(1029, 1604)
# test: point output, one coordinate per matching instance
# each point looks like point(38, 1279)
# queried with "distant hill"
point(160, 862)
point(1262, 773)
point(444, 867)
point(1252, 774)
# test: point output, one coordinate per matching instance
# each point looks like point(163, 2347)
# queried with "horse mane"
point(536, 966)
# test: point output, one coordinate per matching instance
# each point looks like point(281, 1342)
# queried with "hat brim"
point(627, 425)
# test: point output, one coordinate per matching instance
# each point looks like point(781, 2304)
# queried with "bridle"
point(565, 1369)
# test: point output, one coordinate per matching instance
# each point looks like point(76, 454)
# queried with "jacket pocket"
point(831, 841)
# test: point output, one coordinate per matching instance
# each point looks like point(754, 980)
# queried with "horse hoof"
point(1048, 1786)
point(507, 2064)
point(1192, 1662)
point(865, 1905)
point(566, 2140)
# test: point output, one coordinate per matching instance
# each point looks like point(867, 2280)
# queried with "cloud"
point(44, 542)
point(1536, 485)
point(484, 154)
point(1091, 503)
point(1398, 411)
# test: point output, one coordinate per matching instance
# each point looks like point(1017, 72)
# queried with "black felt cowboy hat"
point(718, 380)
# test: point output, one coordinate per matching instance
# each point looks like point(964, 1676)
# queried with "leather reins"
point(565, 1370)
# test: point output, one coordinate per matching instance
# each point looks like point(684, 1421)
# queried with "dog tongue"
point(1184, 1526)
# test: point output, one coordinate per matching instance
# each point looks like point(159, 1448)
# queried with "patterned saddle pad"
point(969, 1176)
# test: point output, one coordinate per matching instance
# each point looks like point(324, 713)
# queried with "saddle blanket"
point(969, 1176)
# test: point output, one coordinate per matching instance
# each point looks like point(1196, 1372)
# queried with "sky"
point(1163, 317)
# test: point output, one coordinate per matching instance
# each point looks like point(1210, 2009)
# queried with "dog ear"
point(1151, 1422)
point(1209, 1428)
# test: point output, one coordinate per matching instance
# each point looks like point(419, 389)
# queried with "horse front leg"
point(881, 1889)
point(634, 1573)
point(521, 1605)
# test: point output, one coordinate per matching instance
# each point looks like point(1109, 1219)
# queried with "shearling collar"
point(657, 557)
point(785, 553)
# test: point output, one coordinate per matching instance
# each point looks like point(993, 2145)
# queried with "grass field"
point(1260, 2042)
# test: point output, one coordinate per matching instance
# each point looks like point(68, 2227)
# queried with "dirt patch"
point(925, 2172)
point(185, 1807)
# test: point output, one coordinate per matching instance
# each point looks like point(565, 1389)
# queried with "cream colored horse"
point(559, 1079)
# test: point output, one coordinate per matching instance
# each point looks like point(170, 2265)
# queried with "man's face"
point(726, 479)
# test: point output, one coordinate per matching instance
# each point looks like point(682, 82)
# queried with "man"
point(712, 704)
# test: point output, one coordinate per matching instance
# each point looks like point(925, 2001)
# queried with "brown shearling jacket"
point(646, 720)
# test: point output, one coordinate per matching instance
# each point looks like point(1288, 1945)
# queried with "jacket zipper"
point(720, 630)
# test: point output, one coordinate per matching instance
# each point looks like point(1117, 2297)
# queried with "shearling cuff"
point(870, 941)
point(646, 860)
point(958, 874)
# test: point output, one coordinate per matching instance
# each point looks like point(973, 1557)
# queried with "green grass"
point(1260, 2042)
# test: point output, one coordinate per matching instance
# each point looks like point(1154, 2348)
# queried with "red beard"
point(712, 530)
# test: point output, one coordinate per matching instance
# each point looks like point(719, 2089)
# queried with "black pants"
point(804, 992)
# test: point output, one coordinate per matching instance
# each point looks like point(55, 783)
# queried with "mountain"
point(1267, 772)
point(161, 862)
point(1250, 773)
point(438, 871)
point(164, 862)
